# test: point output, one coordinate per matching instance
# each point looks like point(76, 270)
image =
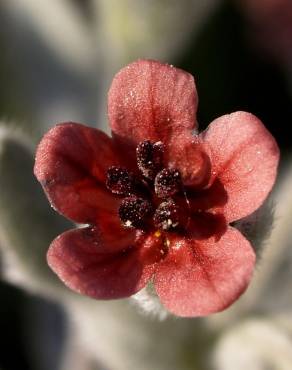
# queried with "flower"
point(158, 199)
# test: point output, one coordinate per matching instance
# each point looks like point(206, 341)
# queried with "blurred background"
point(58, 58)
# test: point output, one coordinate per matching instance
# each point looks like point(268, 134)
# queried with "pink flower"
point(158, 197)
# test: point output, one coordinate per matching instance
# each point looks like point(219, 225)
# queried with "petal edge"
point(244, 156)
point(200, 278)
point(85, 266)
point(71, 162)
point(149, 100)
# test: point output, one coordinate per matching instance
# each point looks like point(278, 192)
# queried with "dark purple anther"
point(134, 211)
point(119, 181)
point(150, 158)
point(167, 215)
point(167, 183)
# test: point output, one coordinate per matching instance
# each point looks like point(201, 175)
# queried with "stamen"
point(167, 215)
point(167, 183)
point(134, 211)
point(119, 181)
point(150, 158)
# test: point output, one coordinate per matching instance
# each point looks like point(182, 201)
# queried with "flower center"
point(134, 211)
point(167, 183)
point(148, 194)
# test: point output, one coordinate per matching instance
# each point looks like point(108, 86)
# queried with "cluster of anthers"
point(149, 196)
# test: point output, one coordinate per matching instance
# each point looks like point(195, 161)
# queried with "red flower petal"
point(200, 278)
point(150, 100)
point(82, 261)
point(71, 163)
point(244, 157)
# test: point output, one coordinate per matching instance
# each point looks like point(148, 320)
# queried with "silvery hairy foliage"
point(68, 58)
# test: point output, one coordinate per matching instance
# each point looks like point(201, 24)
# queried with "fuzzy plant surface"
point(23, 213)
point(256, 344)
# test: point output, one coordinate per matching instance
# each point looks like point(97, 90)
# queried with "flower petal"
point(71, 163)
point(198, 278)
point(82, 261)
point(151, 101)
point(244, 157)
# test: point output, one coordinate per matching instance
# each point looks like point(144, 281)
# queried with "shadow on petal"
point(80, 260)
point(205, 225)
point(215, 197)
